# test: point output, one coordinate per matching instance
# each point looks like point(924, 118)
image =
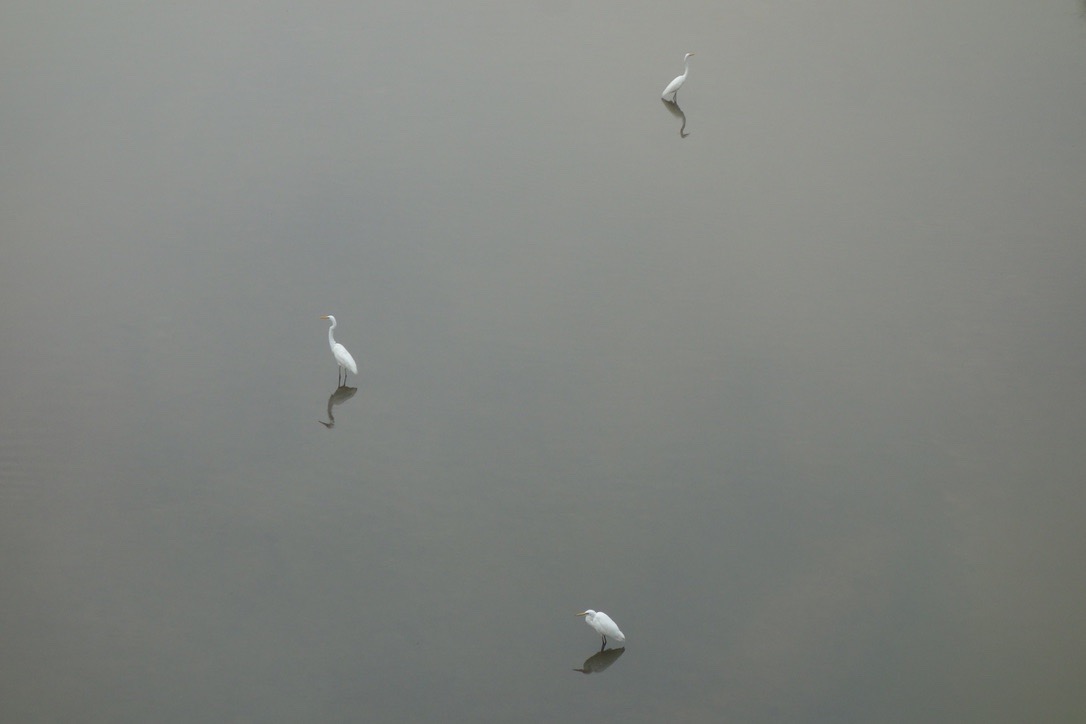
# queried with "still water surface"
point(798, 397)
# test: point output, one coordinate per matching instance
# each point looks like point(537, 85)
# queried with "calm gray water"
point(799, 398)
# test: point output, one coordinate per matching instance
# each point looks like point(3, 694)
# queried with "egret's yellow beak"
point(582, 613)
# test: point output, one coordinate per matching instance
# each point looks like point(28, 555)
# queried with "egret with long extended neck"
point(674, 86)
point(343, 357)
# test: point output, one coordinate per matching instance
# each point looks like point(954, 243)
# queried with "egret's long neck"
point(686, 67)
point(331, 339)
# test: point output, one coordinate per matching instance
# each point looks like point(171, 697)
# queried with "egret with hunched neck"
point(604, 626)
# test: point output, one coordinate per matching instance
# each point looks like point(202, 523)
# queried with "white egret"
point(674, 86)
point(343, 357)
point(604, 626)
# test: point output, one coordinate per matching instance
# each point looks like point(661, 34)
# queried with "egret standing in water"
point(343, 357)
point(604, 626)
point(674, 86)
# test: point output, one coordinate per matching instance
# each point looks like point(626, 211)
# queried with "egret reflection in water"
point(341, 395)
point(673, 108)
point(599, 661)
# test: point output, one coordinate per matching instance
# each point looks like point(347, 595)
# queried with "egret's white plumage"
point(343, 357)
point(603, 625)
point(674, 86)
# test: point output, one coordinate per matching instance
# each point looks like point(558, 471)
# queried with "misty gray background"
point(798, 399)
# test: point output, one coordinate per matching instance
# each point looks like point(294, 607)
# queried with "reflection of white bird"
point(343, 357)
point(341, 395)
point(604, 626)
point(599, 661)
point(673, 109)
point(674, 86)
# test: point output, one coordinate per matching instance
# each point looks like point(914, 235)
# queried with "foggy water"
point(789, 380)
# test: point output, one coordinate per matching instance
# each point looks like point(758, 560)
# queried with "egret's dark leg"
point(604, 644)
